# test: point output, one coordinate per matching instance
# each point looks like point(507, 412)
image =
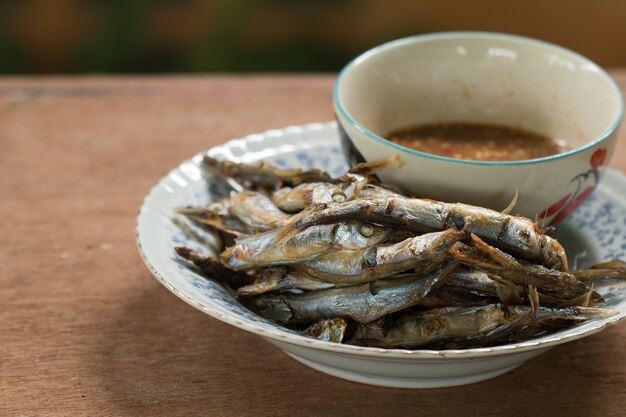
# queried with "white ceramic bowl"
point(483, 78)
point(598, 228)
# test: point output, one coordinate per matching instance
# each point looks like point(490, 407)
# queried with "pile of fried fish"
point(353, 260)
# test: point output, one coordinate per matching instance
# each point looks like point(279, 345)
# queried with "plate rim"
point(304, 341)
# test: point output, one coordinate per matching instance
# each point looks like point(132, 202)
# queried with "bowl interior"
point(481, 78)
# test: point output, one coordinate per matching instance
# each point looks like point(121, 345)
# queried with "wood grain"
point(86, 331)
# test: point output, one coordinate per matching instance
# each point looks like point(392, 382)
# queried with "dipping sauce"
point(479, 142)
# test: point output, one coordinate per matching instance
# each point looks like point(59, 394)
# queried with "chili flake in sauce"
point(480, 142)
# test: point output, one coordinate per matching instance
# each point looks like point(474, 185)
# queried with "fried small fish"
point(514, 233)
point(212, 267)
point(363, 303)
point(559, 284)
point(268, 248)
point(423, 252)
point(279, 278)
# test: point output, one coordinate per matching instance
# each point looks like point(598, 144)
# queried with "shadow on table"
point(164, 357)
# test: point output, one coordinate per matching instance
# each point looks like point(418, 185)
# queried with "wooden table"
point(86, 330)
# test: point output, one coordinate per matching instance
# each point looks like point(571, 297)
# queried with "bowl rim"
point(340, 108)
point(277, 333)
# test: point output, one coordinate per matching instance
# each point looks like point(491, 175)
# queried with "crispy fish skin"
point(257, 211)
point(514, 233)
point(275, 279)
point(264, 249)
point(243, 213)
point(363, 303)
point(422, 217)
point(376, 191)
point(292, 200)
point(480, 283)
point(365, 265)
point(476, 281)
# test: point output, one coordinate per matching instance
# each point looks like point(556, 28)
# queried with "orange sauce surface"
point(480, 142)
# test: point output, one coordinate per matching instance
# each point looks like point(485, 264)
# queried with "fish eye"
point(339, 197)
point(366, 229)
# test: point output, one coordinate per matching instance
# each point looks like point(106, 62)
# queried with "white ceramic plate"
point(596, 232)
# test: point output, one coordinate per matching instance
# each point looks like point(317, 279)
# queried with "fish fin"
point(507, 294)
point(583, 300)
point(512, 204)
point(493, 253)
point(371, 168)
point(209, 219)
point(613, 264)
point(588, 297)
point(543, 222)
point(470, 255)
point(221, 169)
point(592, 274)
point(533, 297)
point(286, 232)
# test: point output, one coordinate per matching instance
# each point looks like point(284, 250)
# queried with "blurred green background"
point(163, 36)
